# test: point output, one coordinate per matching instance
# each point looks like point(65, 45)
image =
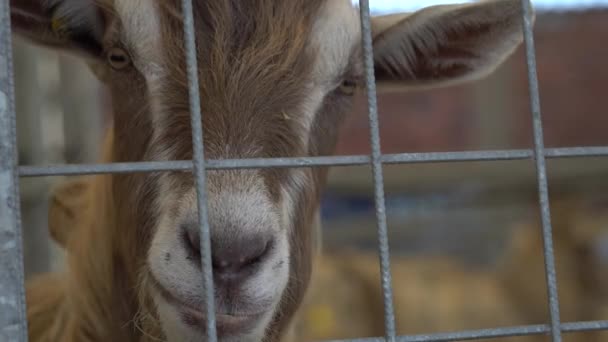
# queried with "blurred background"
point(465, 237)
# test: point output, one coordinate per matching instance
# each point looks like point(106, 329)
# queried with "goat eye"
point(348, 87)
point(118, 58)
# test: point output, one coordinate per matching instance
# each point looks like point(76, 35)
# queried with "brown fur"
point(101, 285)
point(47, 309)
point(67, 204)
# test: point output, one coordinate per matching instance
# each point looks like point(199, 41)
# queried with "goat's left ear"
point(446, 44)
point(75, 26)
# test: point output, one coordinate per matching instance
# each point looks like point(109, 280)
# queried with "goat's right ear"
point(68, 202)
point(446, 44)
point(75, 25)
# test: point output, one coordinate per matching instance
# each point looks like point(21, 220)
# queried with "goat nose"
point(233, 257)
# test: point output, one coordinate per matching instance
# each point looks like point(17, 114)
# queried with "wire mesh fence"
point(13, 323)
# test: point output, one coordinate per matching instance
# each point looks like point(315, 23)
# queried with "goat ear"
point(67, 204)
point(75, 25)
point(445, 44)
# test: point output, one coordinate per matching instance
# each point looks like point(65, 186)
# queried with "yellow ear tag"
point(322, 319)
point(59, 27)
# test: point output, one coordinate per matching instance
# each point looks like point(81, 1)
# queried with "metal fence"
point(13, 323)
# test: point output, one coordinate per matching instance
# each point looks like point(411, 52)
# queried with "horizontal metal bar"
point(592, 151)
point(491, 333)
point(91, 169)
point(399, 158)
point(584, 326)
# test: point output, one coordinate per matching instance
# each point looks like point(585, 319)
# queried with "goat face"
point(275, 77)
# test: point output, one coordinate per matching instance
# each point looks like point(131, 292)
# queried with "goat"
point(276, 79)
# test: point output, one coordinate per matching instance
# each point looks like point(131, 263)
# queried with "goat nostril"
point(192, 242)
point(239, 257)
point(258, 256)
point(220, 265)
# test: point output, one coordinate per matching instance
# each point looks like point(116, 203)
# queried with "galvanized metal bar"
point(372, 107)
point(541, 172)
point(584, 326)
point(591, 151)
point(465, 335)
point(13, 322)
point(109, 168)
point(199, 168)
point(261, 163)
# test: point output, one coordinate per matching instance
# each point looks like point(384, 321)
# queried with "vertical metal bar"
point(541, 173)
point(383, 247)
point(199, 167)
point(13, 322)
